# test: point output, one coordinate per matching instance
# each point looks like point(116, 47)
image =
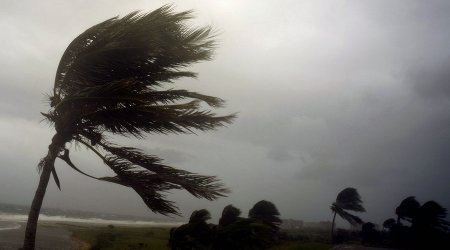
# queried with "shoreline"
point(48, 237)
point(59, 235)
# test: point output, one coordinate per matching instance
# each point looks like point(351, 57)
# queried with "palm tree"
point(347, 199)
point(431, 216)
point(111, 81)
point(267, 212)
point(407, 209)
point(230, 214)
point(197, 234)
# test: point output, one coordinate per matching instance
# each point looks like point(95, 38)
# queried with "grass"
point(120, 238)
point(140, 238)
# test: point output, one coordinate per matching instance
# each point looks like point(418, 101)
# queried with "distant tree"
point(407, 209)
point(347, 199)
point(267, 212)
point(244, 234)
point(431, 216)
point(430, 228)
point(112, 80)
point(389, 223)
point(369, 233)
point(197, 234)
point(199, 216)
point(230, 214)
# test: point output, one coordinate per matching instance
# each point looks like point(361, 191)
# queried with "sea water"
point(9, 225)
point(13, 217)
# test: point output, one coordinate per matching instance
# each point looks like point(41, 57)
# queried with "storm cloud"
point(329, 94)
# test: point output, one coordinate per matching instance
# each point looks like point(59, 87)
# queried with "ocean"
point(12, 217)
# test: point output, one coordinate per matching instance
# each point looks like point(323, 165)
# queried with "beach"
point(50, 236)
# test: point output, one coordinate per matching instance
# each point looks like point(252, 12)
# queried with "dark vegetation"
point(113, 80)
point(417, 227)
point(120, 238)
point(258, 231)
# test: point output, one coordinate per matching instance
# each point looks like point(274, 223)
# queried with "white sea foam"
point(47, 218)
point(13, 226)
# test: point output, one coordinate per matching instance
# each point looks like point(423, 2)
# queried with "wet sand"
point(49, 237)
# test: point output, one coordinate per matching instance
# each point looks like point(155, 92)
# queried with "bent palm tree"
point(230, 214)
point(110, 81)
point(431, 216)
point(407, 209)
point(267, 212)
point(347, 199)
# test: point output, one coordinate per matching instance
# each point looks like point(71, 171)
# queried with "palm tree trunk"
point(332, 227)
point(48, 164)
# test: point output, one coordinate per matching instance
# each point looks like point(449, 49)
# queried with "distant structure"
point(290, 224)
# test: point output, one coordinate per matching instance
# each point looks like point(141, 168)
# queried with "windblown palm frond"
point(349, 199)
point(431, 215)
point(407, 209)
point(111, 79)
point(352, 219)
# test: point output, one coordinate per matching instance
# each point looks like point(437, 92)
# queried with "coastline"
point(59, 235)
point(49, 237)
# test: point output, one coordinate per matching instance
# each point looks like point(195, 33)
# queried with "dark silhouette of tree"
point(267, 212)
point(407, 209)
point(230, 214)
point(257, 232)
point(347, 199)
point(369, 233)
point(429, 227)
point(245, 234)
point(199, 216)
point(431, 216)
point(389, 223)
point(112, 80)
point(197, 234)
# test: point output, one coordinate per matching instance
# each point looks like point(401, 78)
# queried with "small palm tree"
point(407, 209)
point(431, 216)
point(230, 214)
point(111, 81)
point(267, 212)
point(347, 199)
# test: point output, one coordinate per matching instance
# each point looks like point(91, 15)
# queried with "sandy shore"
point(49, 237)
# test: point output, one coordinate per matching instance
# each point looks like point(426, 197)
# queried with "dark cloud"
point(329, 96)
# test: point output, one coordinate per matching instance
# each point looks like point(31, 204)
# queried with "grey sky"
point(330, 94)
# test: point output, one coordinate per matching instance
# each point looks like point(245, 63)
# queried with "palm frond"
point(150, 178)
point(137, 120)
point(352, 219)
point(200, 186)
point(149, 47)
point(349, 199)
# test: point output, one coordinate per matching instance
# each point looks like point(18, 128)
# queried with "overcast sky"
point(330, 94)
